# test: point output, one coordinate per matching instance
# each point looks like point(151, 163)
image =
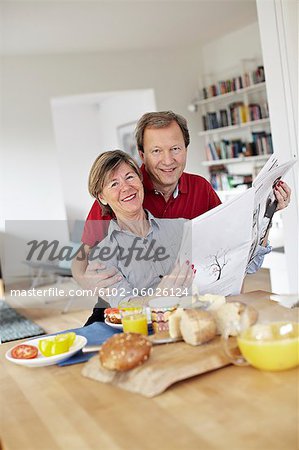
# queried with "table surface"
point(230, 408)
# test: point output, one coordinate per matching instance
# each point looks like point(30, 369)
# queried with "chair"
point(61, 269)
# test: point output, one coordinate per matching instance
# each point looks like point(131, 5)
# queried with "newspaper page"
point(265, 202)
point(218, 244)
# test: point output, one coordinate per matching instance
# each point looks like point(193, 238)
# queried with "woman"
point(142, 247)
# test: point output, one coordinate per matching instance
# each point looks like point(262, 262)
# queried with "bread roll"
point(125, 351)
point(174, 322)
point(233, 317)
point(197, 326)
point(215, 301)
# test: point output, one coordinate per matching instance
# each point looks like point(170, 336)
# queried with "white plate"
point(119, 326)
point(40, 360)
point(156, 340)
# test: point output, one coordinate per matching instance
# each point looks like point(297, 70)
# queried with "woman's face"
point(123, 191)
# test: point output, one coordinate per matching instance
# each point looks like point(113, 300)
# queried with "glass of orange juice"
point(134, 319)
point(267, 346)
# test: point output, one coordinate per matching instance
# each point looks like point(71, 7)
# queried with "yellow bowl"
point(273, 346)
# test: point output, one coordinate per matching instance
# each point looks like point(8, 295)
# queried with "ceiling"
point(47, 27)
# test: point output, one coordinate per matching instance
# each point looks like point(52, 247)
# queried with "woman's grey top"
point(143, 261)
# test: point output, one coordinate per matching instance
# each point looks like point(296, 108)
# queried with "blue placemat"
point(96, 334)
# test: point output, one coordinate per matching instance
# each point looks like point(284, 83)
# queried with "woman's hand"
point(180, 277)
point(283, 195)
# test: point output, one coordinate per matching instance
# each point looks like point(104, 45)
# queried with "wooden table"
point(231, 408)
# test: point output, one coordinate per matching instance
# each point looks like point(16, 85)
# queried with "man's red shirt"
point(193, 197)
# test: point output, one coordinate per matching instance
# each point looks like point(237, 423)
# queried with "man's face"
point(164, 155)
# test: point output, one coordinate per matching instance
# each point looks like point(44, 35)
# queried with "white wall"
point(119, 109)
point(31, 175)
point(223, 56)
point(32, 179)
point(87, 126)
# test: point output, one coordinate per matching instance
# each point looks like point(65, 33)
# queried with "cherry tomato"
point(24, 351)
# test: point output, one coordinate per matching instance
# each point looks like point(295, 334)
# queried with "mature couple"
point(136, 200)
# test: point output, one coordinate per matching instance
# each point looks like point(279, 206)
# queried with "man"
point(162, 140)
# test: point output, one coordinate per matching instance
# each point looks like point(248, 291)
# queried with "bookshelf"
point(224, 97)
point(244, 159)
point(224, 130)
point(235, 128)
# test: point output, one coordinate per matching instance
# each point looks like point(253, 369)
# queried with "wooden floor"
point(47, 310)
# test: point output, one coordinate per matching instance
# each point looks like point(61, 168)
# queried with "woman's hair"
point(102, 167)
point(160, 119)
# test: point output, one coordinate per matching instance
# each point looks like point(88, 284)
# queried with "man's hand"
point(283, 195)
point(93, 276)
point(97, 276)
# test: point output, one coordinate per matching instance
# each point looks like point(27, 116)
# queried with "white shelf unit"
point(243, 159)
point(224, 97)
point(223, 130)
point(243, 165)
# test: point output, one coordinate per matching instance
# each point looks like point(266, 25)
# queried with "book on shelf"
point(223, 118)
point(262, 143)
point(255, 112)
point(222, 181)
point(241, 113)
point(211, 152)
point(226, 149)
point(221, 87)
point(236, 114)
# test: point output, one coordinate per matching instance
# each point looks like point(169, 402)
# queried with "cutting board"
point(167, 364)
point(173, 362)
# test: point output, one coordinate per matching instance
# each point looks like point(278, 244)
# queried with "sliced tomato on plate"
point(24, 351)
point(111, 311)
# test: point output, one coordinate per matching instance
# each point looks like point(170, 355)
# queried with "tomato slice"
point(111, 311)
point(24, 351)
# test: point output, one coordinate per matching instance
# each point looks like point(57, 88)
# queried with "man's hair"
point(160, 119)
point(106, 163)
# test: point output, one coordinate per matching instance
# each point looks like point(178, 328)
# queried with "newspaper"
point(218, 243)
point(265, 202)
point(222, 242)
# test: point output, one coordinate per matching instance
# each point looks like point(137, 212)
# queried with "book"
point(247, 79)
point(223, 121)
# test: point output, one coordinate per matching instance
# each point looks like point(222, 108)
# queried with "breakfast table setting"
point(178, 396)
